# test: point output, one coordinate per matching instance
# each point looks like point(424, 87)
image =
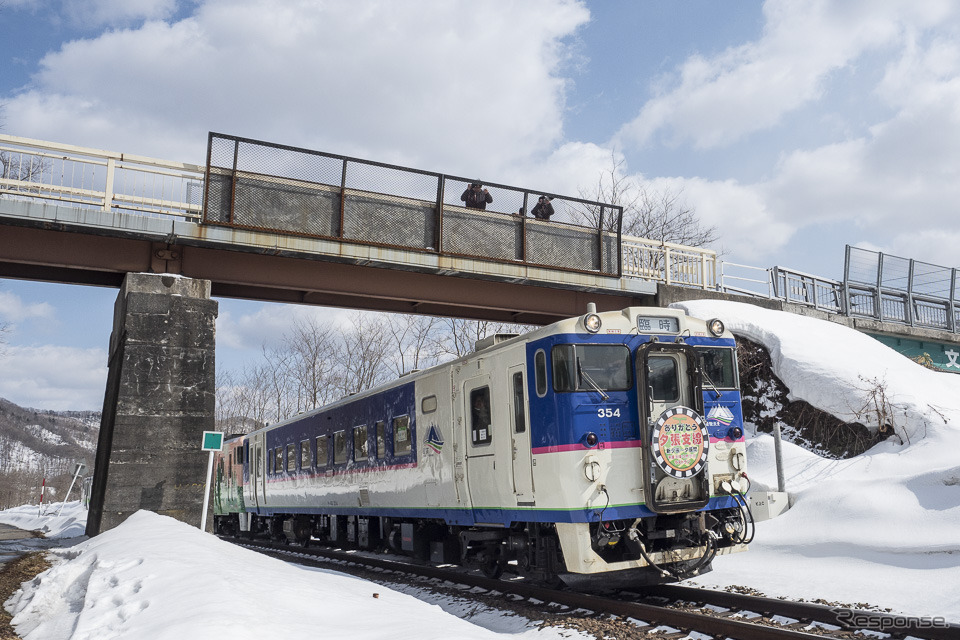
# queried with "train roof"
point(623, 321)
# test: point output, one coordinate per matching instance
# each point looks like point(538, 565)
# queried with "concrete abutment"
point(160, 397)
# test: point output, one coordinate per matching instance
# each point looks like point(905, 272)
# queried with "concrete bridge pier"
point(160, 397)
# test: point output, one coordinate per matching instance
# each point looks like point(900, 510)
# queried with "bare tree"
point(656, 215)
point(458, 337)
point(411, 336)
point(312, 362)
point(362, 354)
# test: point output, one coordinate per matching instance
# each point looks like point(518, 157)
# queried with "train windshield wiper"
point(585, 376)
point(706, 376)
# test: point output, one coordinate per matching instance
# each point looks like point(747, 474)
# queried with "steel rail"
point(655, 615)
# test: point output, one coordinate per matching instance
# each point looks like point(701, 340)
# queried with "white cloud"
point(463, 87)
point(246, 326)
point(54, 377)
point(13, 309)
point(715, 101)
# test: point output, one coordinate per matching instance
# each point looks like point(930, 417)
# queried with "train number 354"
point(608, 413)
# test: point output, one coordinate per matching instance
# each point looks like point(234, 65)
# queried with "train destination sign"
point(658, 324)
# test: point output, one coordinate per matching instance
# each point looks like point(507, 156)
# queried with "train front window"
point(663, 378)
point(720, 366)
point(576, 365)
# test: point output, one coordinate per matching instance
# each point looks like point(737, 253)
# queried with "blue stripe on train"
point(494, 516)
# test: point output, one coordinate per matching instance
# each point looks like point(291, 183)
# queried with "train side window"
point(339, 447)
point(540, 372)
point(305, 454)
point(240, 453)
point(259, 471)
point(401, 436)
point(381, 439)
point(278, 460)
point(480, 416)
point(323, 453)
point(291, 457)
point(360, 443)
point(663, 378)
point(519, 409)
point(428, 404)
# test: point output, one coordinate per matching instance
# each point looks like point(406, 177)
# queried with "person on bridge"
point(476, 197)
point(543, 209)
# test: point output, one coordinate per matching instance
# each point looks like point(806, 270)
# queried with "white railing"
point(669, 263)
point(92, 178)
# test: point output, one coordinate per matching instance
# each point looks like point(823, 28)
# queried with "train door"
point(520, 435)
point(482, 438)
point(673, 431)
point(258, 471)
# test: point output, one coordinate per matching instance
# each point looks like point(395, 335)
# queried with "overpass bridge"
point(274, 223)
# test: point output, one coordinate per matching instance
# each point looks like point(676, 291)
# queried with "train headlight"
point(591, 322)
point(591, 439)
point(716, 327)
point(735, 433)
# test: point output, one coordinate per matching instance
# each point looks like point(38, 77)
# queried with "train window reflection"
point(322, 451)
point(360, 443)
point(519, 410)
point(381, 439)
point(663, 378)
point(401, 436)
point(720, 366)
point(305, 454)
point(480, 416)
point(291, 457)
point(607, 366)
point(339, 447)
point(540, 372)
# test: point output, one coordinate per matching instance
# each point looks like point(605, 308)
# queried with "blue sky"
point(796, 127)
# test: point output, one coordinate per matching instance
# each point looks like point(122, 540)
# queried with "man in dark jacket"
point(543, 209)
point(476, 197)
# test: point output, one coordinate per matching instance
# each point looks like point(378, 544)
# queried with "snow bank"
point(836, 368)
point(154, 578)
point(71, 523)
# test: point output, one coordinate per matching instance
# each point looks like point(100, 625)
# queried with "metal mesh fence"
point(282, 189)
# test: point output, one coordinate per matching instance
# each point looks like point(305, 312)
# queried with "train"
point(608, 446)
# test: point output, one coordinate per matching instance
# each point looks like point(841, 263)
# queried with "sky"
point(878, 528)
point(794, 127)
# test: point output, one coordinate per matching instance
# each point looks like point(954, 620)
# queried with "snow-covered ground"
point(880, 529)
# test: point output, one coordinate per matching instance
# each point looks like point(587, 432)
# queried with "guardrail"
point(92, 178)
point(263, 186)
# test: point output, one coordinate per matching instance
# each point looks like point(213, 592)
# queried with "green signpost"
point(212, 442)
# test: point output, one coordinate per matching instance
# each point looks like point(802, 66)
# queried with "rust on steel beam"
point(50, 254)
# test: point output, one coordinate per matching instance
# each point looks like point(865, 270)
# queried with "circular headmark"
point(680, 442)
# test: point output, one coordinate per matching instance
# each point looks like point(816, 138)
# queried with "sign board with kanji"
point(212, 441)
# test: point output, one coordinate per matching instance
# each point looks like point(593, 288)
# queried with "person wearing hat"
point(543, 209)
point(476, 197)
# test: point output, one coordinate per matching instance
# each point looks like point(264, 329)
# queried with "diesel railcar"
point(609, 444)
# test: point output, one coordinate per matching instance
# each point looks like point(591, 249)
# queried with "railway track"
point(680, 609)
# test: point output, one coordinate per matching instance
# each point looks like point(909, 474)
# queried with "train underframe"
point(658, 549)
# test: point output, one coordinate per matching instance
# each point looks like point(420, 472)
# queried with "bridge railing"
point(96, 179)
point(894, 289)
point(669, 263)
point(269, 187)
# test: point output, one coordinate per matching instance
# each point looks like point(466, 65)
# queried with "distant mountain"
point(47, 443)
